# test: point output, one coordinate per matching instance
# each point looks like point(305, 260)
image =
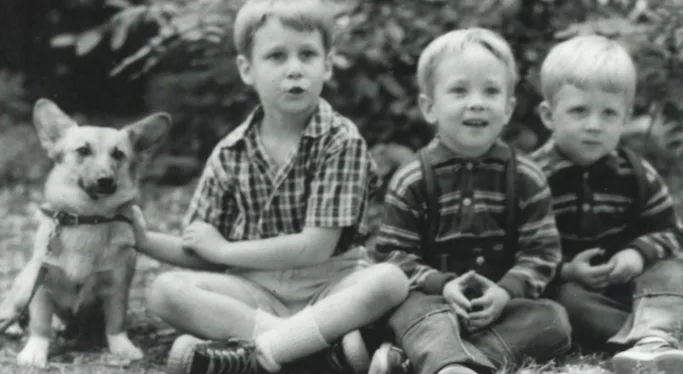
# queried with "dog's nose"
point(106, 184)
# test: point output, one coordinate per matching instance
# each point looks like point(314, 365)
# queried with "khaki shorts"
point(286, 292)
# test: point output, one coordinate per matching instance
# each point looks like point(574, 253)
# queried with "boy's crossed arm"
point(311, 246)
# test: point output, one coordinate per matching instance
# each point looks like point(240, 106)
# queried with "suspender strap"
point(431, 191)
point(511, 232)
point(641, 182)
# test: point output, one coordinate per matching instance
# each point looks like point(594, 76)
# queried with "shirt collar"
point(439, 153)
point(609, 162)
point(320, 123)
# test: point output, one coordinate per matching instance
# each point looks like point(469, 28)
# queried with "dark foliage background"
point(108, 61)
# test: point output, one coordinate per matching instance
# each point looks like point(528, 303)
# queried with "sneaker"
point(389, 359)
point(346, 356)
point(331, 360)
point(190, 355)
point(652, 356)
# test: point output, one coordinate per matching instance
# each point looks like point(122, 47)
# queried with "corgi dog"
point(83, 257)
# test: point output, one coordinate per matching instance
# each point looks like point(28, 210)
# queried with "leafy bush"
point(189, 56)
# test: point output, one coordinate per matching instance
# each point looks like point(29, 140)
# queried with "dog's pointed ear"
point(50, 122)
point(149, 131)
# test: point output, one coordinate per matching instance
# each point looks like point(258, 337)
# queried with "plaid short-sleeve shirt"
point(326, 181)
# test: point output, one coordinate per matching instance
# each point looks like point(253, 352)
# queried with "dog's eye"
point(84, 151)
point(117, 154)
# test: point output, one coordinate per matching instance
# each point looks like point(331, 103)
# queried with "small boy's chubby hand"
point(489, 306)
point(454, 293)
point(581, 271)
point(627, 264)
point(202, 239)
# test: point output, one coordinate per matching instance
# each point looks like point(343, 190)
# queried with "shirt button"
point(466, 201)
point(586, 207)
point(480, 260)
point(469, 166)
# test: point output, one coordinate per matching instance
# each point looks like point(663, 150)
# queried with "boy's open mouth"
point(475, 123)
point(295, 90)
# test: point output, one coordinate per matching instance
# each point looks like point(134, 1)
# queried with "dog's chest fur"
point(83, 260)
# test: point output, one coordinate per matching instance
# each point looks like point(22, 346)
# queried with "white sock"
point(296, 337)
point(264, 321)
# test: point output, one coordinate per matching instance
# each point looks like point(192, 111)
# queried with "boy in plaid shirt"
point(474, 306)
point(282, 207)
point(618, 279)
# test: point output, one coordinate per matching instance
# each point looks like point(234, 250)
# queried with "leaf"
point(87, 42)
point(63, 40)
point(118, 37)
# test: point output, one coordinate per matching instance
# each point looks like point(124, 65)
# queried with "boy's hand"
point(202, 239)
point(454, 293)
point(628, 264)
point(134, 213)
point(581, 271)
point(490, 304)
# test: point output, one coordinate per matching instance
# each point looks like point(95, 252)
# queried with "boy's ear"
point(546, 114)
point(244, 67)
point(427, 108)
point(51, 123)
point(329, 65)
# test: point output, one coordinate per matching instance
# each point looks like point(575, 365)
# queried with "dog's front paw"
point(120, 345)
point(34, 352)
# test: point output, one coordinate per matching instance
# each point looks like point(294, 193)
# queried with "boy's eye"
point(610, 113)
point(308, 54)
point(277, 56)
point(577, 110)
point(84, 151)
point(492, 90)
point(459, 90)
point(117, 154)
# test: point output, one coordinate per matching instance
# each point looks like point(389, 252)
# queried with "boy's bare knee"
point(162, 290)
point(391, 284)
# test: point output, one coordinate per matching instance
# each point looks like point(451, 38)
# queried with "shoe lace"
point(232, 358)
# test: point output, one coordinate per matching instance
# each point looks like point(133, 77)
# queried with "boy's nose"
point(593, 123)
point(294, 68)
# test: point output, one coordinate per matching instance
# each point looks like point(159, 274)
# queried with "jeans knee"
point(662, 277)
point(160, 293)
point(572, 298)
point(555, 316)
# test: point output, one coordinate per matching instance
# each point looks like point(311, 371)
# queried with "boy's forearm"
point(281, 252)
point(168, 248)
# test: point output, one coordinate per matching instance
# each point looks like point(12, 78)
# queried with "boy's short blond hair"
point(589, 61)
point(301, 15)
point(456, 41)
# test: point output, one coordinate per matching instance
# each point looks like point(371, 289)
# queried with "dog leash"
point(60, 219)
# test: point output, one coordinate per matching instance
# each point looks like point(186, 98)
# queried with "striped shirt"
point(325, 182)
point(472, 219)
point(597, 206)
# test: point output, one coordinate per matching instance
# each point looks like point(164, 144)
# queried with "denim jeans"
point(649, 306)
point(428, 330)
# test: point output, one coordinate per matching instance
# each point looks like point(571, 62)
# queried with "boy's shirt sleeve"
point(539, 248)
point(213, 200)
point(340, 186)
point(398, 239)
point(658, 219)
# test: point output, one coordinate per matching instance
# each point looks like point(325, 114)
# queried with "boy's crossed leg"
point(255, 313)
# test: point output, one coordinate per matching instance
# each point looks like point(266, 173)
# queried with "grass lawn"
point(164, 208)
